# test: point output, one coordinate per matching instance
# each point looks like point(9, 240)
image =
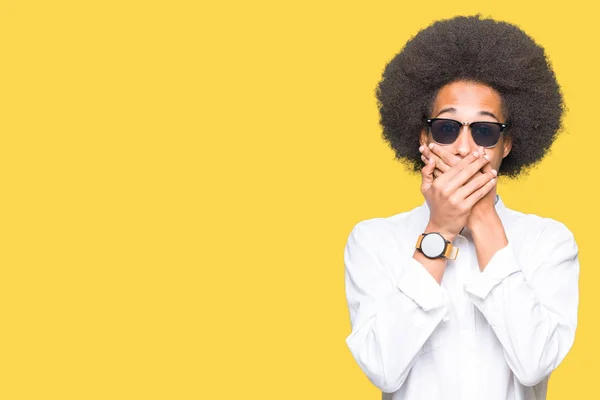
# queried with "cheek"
point(496, 162)
point(496, 158)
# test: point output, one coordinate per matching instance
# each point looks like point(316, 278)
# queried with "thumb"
point(427, 175)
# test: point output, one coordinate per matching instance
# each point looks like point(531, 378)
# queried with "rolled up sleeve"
point(394, 304)
point(531, 302)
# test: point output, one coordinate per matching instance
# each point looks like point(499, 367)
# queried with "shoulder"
point(537, 235)
point(380, 230)
point(532, 224)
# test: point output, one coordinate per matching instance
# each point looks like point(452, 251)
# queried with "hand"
point(443, 161)
point(452, 195)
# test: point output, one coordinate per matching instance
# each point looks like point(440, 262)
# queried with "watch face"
point(433, 245)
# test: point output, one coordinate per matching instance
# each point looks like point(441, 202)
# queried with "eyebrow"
point(453, 110)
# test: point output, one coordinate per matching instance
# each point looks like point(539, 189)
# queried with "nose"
point(464, 144)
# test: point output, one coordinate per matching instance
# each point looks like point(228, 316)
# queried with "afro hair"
point(487, 51)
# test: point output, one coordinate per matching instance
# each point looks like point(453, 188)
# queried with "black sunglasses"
point(446, 131)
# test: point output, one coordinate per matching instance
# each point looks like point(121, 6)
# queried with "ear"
point(423, 137)
point(507, 145)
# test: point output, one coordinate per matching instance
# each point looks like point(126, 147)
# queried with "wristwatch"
point(434, 245)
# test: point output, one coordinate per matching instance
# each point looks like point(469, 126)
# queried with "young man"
point(463, 298)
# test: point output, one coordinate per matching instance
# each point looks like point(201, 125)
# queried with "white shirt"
point(493, 335)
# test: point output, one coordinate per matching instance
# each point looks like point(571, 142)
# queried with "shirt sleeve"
point(531, 302)
point(394, 304)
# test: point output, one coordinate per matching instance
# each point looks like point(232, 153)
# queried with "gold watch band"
point(451, 252)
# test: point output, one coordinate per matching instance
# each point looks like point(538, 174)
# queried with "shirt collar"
point(500, 207)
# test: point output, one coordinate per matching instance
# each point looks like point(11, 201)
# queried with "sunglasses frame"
point(502, 126)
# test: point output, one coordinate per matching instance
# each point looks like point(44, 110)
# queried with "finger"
point(453, 172)
point(436, 172)
point(487, 167)
point(468, 171)
point(438, 162)
point(444, 155)
point(478, 181)
point(480, 193)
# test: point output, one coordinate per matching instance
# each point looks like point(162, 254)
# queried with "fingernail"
point(487, 157)
point(495, 172)
point(493, 181)
point(421, 148)
point(476, 154)
point(431, 145)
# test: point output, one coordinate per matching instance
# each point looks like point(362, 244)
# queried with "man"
point(463, 298)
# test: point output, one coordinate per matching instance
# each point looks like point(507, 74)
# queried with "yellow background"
point(179, 180)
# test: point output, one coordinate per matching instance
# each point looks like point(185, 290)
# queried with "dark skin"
point(459, 180)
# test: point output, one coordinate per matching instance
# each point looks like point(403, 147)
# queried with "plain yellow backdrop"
point(179, 180)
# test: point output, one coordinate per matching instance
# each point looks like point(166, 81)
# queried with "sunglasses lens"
point(445, 131)
point(484, 134)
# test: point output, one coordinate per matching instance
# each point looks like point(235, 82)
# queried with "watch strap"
point(450, 251)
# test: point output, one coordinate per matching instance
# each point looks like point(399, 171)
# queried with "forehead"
point(468, 99)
